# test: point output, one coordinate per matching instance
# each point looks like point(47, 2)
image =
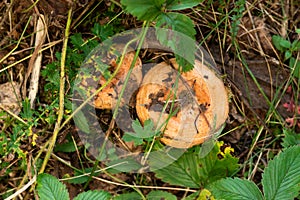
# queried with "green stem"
point(61, 94)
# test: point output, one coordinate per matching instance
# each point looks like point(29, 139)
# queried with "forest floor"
point(260, 71)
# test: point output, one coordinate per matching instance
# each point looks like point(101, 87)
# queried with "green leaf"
point(27, 111)
point(205, 194)
point(285, 43)
point(193, 196)
point(177, 22)
point(143, 132)
point(66, 147)
point(287, 55)
point(182, 4)
point(295, 45)
point(81, 122)
point(77, 40)
point(276, 40)
point(182, 38)
point(235, 189)
point(238, 9)
point(140, 132)
point(93, 194)
point(281, 177)
point(154, 195)
point(143, 10)
point(129, 138)
point(128, 196)
point(193, 171)
point(102, 31)
point(49, 187)
point(123, 165)
point(291, 138)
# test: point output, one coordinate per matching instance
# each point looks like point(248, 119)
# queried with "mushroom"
point(187, 107)
point(107, 97)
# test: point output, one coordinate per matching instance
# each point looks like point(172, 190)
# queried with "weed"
point(289, 49)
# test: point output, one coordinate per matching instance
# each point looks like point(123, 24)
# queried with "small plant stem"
point(61, 93)
point(142, 36)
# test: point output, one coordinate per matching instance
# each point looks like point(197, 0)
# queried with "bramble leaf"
point(49, 187)
point(235, 189)
point(143, 10)
point(180, 40)
point(157, 194)
point(193, 171)
point(177, 22)
point(93, 194)
point(281, 177)
point(291, 138)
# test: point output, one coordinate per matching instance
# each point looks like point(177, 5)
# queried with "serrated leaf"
point(235, 189)
point(140, 132)
point(129, 138)
point(93, 194)
point(157, 194)
point(76, 40)
point(281, 177)
point(193, 196)
point(180, 39)
point(102, 31)
point(291, 138)
point(128, 196)
point(143, 10)
point(193, 171)
point(50, 188)
point(177, 22)
point(145, 131)
point(182, 4)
